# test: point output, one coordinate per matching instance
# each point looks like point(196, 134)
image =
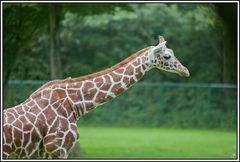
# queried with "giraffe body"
point(44, 126)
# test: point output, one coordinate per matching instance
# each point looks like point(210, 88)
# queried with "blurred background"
point(162, 116)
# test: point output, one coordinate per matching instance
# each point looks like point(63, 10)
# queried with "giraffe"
point(44, 125)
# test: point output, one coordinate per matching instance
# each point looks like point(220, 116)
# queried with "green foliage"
point(25, 25)
point(192, 31)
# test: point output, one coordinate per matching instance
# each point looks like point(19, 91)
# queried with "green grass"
point(107, 142)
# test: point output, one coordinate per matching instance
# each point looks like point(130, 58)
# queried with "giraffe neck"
point(103, 86)
point(81, 95)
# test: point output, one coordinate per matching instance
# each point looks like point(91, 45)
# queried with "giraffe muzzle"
point(183, 72)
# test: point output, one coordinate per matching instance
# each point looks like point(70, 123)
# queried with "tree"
point(18, 28)
point(228, 15)
point(22, 20)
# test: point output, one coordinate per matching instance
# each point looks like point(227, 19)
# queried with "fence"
point(189, 105)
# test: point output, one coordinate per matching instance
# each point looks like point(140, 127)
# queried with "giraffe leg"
point(7, 145)
point(73, 149)
point(5, 155)
point(53, 149)
point(60, 143)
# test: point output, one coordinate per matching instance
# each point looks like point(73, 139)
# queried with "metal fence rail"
point(213, 103)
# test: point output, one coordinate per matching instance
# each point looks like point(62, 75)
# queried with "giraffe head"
point(163, 58)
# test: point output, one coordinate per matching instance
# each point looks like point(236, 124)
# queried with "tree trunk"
point(52, 40)
point(228, 15)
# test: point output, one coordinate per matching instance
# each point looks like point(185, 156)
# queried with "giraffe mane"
point(108, 70)
point(93, 75)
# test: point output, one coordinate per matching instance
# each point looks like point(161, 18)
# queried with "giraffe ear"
point(161, 39)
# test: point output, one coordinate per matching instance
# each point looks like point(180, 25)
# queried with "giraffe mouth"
point(183, 72)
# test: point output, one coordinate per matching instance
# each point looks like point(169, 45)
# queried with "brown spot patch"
point(42, 102)
point(136, 63)
point(54, 96)
point(6, 148)
point(129, 70)
point(90, 94)
point(64, 124)
point(20, 110)
point(50, 115)
point(74, 129)
point(23, 119)
point(74, 97)
point(120, 70)
point(144, 67)
point(108, 98)
point(71, 92)
point(8, 133)
point(126, 80)
point(86, 87)
point(10, 118)
point(68, 142)
point(107, 79)
point(56, 105)
point(18, 124)
point(50, 145)
point(68, 107)
point(117, 89)
point(131, 82)
point(105, 86)
point(35, 110)
point(35, 136)
point(101, 97)
point(89, 105)
point(17, 137)
point(98, 79)
point(61, 93)
point(73, 83)
point(27, 127)
point(57, 153)
point(79, 96)
point(46, 93)
point(31, 117)
point(40, 124)
point(26, 137)
point(138, 73)
point(13, 112)
point(116, 78)
point(31, 103)
point(62, 109)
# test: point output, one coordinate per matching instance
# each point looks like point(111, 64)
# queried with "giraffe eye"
point(167, 57)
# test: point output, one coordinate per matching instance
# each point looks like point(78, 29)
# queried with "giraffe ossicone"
point(44, 125)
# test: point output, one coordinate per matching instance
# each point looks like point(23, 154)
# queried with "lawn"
point(109, 142)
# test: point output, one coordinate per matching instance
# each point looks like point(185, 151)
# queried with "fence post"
point(20, 91)
point(114, 107)
point(209, 106)
point(161, 105)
